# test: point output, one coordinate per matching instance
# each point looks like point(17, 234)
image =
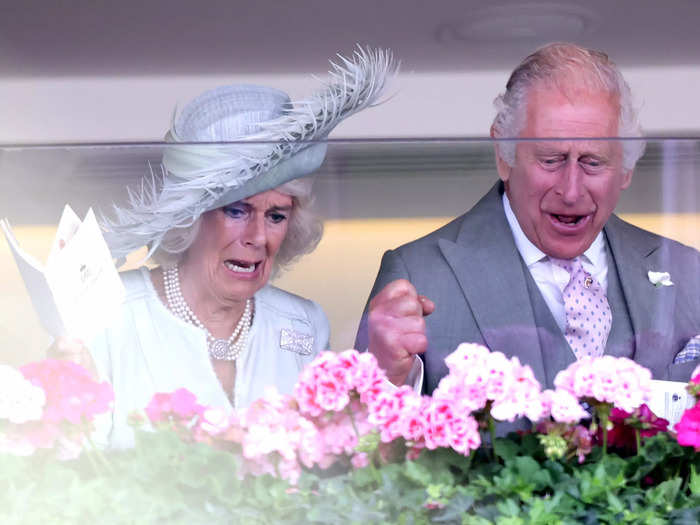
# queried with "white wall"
point(104, 109)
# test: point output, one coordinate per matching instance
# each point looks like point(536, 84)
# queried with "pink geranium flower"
point(688, 428)
point(71, 393)
point(445, 427)
point(391, 409)
point(72, 400)
point(478, 376)
point(563, 406)
point(607, 379)
point(178, 406)
point(327, 384)
point(467, 356)
point(413, 424)
point(323, 385)
point(523, 397)
point(276, 439)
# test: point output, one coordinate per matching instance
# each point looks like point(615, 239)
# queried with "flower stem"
point(638, 439)
point(352, 420)
point(603, 410)
point(470, 458)
point(92, 462)
point(376, 475)
point(276, 463)
point(94, 449)
point(492, 433)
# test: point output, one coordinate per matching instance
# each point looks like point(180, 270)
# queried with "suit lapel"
point(488, 267)
point(651, 309)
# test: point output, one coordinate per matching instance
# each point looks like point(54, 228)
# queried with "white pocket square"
point(660, 278)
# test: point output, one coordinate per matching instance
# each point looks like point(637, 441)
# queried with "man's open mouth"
point(569, 219)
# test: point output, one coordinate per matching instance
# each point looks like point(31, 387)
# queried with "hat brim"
point(302, 164)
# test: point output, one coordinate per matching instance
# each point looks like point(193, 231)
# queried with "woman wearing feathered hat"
point(220, 222)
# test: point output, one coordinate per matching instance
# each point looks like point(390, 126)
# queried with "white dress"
point(149, 350)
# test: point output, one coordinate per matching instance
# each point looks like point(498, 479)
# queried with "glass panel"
point(374, 195)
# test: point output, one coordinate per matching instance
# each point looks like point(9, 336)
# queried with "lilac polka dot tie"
point(588, 317)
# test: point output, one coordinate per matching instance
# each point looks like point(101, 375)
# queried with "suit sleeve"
point(391, 268)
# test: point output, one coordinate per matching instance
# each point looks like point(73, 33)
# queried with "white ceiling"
point(144, 37)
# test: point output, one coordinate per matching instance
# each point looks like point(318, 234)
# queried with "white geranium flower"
point(215, 420)
point(660, 278)
point(20, 400)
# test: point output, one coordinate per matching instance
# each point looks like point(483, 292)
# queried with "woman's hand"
point(72, 350)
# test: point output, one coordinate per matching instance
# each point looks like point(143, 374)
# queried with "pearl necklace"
point(227, 349)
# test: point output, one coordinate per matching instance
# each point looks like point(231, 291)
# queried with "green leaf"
point(418, 473)
point(475, 520)
point(664, 494)
point(615, 504)
point(527, 467)
point(455, 509)
point(505, 449)
point(694, 482)
point(510, 520)
point(509, 507)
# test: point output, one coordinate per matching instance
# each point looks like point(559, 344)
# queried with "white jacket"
point(149, 350)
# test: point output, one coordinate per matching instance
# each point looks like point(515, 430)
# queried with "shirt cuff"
point(414, 378)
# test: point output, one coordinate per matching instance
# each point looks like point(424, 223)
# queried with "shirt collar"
point(532, 254)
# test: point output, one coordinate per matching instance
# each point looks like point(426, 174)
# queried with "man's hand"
point(73, 350)
point(397, 329)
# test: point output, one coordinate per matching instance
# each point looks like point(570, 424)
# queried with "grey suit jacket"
point(473, 272)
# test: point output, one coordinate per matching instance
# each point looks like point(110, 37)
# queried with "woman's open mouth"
point(241, 266)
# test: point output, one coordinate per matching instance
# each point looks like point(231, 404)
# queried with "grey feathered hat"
point(257, 139)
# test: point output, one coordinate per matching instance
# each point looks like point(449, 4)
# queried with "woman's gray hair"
point(568, 67)
point(303, 234)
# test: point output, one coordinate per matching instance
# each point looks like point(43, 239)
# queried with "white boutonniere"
point(660, 278)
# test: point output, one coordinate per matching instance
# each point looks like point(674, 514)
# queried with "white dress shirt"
point(550, 278)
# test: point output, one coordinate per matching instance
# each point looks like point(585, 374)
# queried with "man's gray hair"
point(568, 67)
point(303, 234)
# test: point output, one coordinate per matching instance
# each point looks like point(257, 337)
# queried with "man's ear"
point(626, 179)
point(501, 166)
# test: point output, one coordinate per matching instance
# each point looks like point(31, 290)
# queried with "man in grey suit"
point(498, 275)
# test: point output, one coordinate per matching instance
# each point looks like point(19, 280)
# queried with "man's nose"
point(254, 233)
point(570, 185)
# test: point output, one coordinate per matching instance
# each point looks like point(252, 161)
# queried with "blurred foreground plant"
point(345, 448)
